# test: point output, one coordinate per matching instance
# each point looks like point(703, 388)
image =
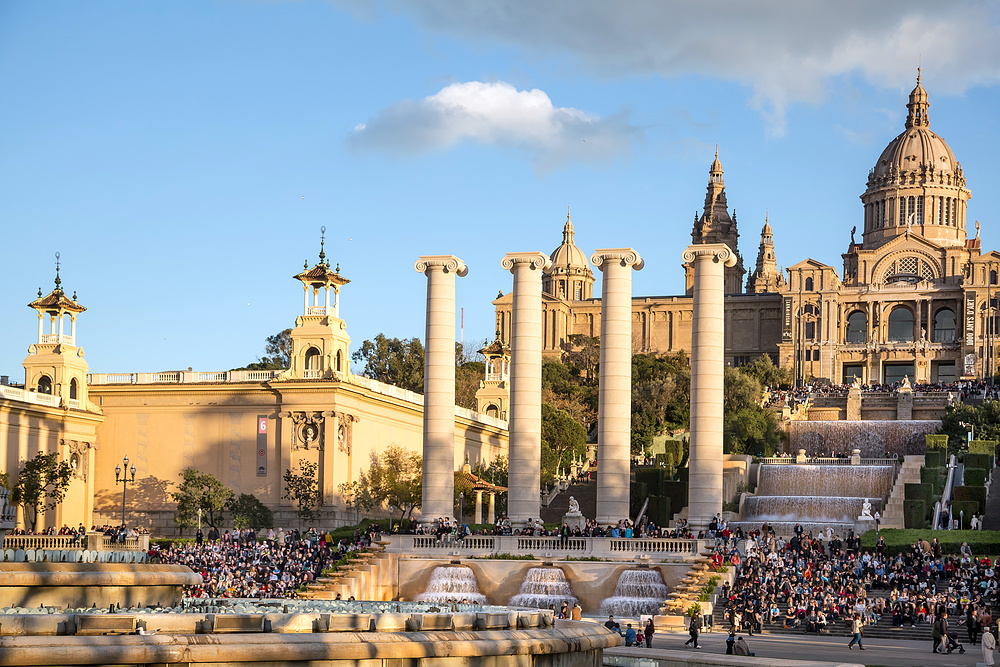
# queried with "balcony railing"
point(319, 310)
point(57, 338)
point(312, 374)
point(25, 396)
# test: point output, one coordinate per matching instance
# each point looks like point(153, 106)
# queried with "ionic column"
point(41, 327)
point(525, 426)
point(439, 385)
point(707, 388)
point(479, 506)
point(615, 388)
point(491, 517)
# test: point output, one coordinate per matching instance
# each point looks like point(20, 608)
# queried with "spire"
point(917, 116)
point(58, 281)
point(568, 232)
point(322, 240)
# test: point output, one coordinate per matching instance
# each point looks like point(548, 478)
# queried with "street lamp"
point(972, 430)
point(461, 508)
point(961, 519)
point(124, 480)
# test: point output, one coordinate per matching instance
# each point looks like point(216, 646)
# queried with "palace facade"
point(916, 296)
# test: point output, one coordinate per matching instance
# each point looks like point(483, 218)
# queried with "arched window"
point(45, 385)
point(492, 411)
point(910, 206)
point(857, 327)
point(339, 361)
point(902, 211)
point(993, 276)
point(579, 292)
point(312, 359)
point(900, 325)
point(882, 214)
point(919, 220)
point(940, 215)
point(809, 284)
point(944, 326)
point(73, 388)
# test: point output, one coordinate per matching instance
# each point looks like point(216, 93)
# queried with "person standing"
point(693, 629)
point(648, 632)
point(940, 630)
point(989, 643)
point(856, 625)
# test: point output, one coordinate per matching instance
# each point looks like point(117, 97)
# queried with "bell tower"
point(55, 365)
point(320, 343)
point(493, 395)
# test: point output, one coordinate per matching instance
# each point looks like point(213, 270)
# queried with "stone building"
point(245, 427)
point(916, 297)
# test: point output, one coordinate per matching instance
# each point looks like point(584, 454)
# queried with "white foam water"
point(637, 592)
point(454, 583)
point(544, 587)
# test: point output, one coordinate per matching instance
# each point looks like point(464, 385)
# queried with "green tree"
point(583, 355)
point(277, 353)
point(767, 374)
point(40, 486)
point(748, 428)
point(394, 478)
point(302, 488)
point(395, 361)
point(249, 512)
point(983, 419)
point(200, 490)
point(661, 399)
point(562, 437)
point(467, 378)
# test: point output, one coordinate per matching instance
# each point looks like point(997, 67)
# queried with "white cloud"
point(784, 50)
point(495, 114)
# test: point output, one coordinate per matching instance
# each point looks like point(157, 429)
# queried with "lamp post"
point(124, 480)
point(878, 520)
point(972, 429)
point(461, 508)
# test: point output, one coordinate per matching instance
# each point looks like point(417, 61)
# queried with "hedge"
point(975, 494)
point(983, 447)
point(651, 479)
point(678, 494)
point(939, 441)
point(932, 476)
point(914, 513)
point(970, 507)
point(659, 510)
point(922, 492)
point(638, 493)
point(982, 542)
point(975, 476)
point(934, 458)
point(984, 461)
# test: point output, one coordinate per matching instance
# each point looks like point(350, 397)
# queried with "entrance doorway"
point(896, 372)
point(943, 372)
point(851, 371)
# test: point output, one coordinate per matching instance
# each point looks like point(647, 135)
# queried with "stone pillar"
point(525, 426)
point(479, 506)
point(615, 389)
point(439, 385)
point(707, 390)
point(491, 517)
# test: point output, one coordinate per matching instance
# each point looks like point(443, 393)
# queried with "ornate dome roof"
point(916, 149)
point(568, 255)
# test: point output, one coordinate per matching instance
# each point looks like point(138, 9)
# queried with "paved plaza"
point(894, 652)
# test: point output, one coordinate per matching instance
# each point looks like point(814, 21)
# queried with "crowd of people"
point(243, 564)
point(116, 533)
point(806, 584)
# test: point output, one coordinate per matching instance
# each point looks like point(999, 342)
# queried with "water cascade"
point(637, 592)
point(544, 587)
point(455, 583)
point(874, 437)
point(819, 497)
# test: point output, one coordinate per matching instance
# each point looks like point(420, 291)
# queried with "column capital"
point(716, 252)
point(536, 260)
point(602, 257)
point(447, 263)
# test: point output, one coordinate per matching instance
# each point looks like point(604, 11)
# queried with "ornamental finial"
point(58, 281)
point(322, 240)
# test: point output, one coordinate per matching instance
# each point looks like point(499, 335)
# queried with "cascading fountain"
point(544, 587)
point(637, 592)
point(874, 437)
point(820, 498)
point(452, 583)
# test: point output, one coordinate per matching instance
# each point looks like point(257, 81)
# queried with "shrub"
point(934, 458)
point(678, 494)
point(975, 476)
point(939, 441)
point(914, 513)
point(934, 477)
point(984, 461)
point(983, 447)
point(651, 480)
point(919, 492)
point(659, 510)
point(693, 610)
point(975, 494)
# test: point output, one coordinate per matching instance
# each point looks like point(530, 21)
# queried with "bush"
point(982, 542)
point(939, 441)
point(659, 510)
point(975, 494)
point(934, 477)
point(678, 494)
point(922, 492)
point(983, 447)
point(975, 476)
point(652, 479)
point(984, 461)
point(934, 458)
point(914, 513)
point(249, 512)
point(970, 507)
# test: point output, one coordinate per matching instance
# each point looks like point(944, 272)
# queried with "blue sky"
point(182, 156)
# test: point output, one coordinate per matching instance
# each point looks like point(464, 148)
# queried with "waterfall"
point(874, 437)
point(452, 584)
point(543, 587)
point(637, 592)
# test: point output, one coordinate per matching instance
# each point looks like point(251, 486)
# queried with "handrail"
point(945, 495)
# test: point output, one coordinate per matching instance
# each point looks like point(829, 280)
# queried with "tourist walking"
point(856, 628)
point(693, 631)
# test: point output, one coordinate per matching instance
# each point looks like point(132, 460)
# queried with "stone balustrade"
point(826, 460)
point(547, 547)
point(89, 542)
point(15, 394)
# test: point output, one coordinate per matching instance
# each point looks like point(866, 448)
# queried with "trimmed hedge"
point(678, 494)
point(984, 461)
point(659, 510)
point(650, 479)
point(914, 513)
point(982, 542)
point(976, 494)
point(975, 476)
point(932, 476)
point(983, 447)
point(934, 458)
point(922, 492)
point(970, 507)
point(939, 441)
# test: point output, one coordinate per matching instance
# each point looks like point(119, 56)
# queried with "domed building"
point(916, 297)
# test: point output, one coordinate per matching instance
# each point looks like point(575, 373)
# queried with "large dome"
point(568, 255)
point(915, 149)
point(570, 276)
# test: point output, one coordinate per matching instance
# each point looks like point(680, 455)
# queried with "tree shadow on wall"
point(146, 494)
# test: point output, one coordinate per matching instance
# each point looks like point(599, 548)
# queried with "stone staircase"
point(585, 493)
point(366, 577)
point(909, 473)
point(686, 593)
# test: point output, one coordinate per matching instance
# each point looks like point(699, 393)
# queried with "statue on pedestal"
point(866, 510)
point(574, 518)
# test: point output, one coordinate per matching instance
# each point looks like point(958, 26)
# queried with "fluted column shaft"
point(707, 381)
point(525, 426)
point(614, 425)
point(439, 385)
